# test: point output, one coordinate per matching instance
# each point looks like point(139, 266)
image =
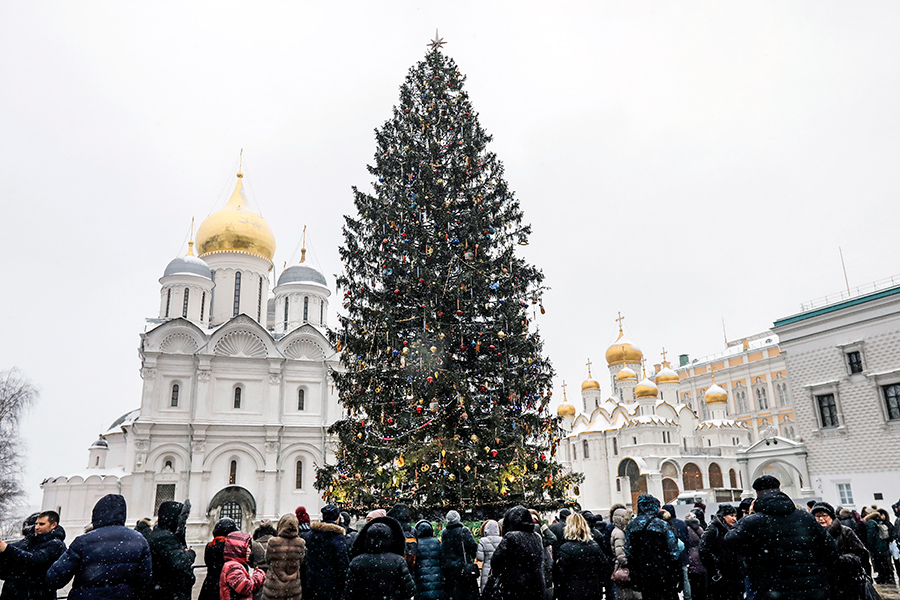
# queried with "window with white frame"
point(761, 394)
point(845, 493)
point(587, 449)
point(173, 402)
point(891, 401)
point(828, 415)
point(301, 399)
point(854, 361)
point(298, 476)
point(781, 393)
point(238, 396)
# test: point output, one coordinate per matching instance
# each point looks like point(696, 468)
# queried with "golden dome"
point(625, 374)
point(236, 229)
point(590, 384)
point(715, 395)
point(623, 351)
point(646, 389)
point(565, 410)
point(666, 375)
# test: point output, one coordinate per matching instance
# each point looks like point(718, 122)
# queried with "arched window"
point(732, 478)
point(692, 477)
point(781, 391)
point(238, 392)
point(187, 295)
point(175, 389)
point(237, 294)
point(287, 305)
point(762, 399)
point(298, 481)
point(586, 448)
point(301, 399)
point(305, 309)
point(232, 473)
point(168, 301)
point(259, 301)
point(615, 447)
point(321, 312)
point(169, 465)
point(670, 490)
point(715, 476)
point(202, 305)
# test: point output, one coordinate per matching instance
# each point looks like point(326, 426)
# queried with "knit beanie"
point(452, 517)
point(330, 513)
point(302, 515)
point(823, 507)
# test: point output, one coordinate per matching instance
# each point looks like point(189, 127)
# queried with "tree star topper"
point(437, 42)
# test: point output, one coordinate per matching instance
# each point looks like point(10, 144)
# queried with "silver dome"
point(301, 274)
point(101, 443)
point(188, 265)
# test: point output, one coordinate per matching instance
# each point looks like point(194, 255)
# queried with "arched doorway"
point(715, 476)
point(235, 503)
point(692, 477)
point(786, 473)
point(636, 482)
point(670, 490)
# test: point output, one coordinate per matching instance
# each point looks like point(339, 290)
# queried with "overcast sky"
point(681, 162)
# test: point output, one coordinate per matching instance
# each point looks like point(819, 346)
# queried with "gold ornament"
point(401, 461)
point(452, 477)
point(425, 468)
point(501, 335)
point(474, 438)
point(433, 349)
point(467, 468)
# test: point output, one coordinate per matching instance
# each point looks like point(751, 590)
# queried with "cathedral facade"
point(236, 396)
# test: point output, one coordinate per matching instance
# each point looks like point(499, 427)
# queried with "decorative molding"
point(274, 378)
point(198, 447)
point(178, 343)
point(243, 344)
point(271, 447)
point(304, 350)
point(142, 445)
point(148, 373)
point(203, 376)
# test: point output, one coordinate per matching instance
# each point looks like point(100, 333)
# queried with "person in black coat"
point(516, 567)
point(680, 529)
point(581, 567)
point(25, 563)
point(111, 562)
point(428, 576)
point(558, 528)
point(458, 550)
point(380, 572)
point(214, 558)
point(327, 557)
point(652, 551)
point(725, 577)
point(173, 573)
point(788, 554)
point(400, 512)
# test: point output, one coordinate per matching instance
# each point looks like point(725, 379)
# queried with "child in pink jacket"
point(238, 581)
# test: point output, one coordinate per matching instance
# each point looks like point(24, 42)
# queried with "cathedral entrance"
point(233, 502)
point(637, 483)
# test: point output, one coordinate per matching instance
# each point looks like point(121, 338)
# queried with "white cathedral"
point(643, 439)
point(236, 395)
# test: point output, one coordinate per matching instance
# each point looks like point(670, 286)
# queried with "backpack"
point(883, 531)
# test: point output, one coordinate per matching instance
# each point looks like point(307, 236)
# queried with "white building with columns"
point(235, 401)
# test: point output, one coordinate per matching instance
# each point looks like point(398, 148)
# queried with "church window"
point(259, 301)
point(175, 390)
point(732, 478)
point(692, 477)
point(187, 295)
point(827, 410)
point(232, 473)
point(587, 449)
point(168, 465)
point(615, 447)
point(298, 481)
point(574, 452)
point(97, 461)
point(634, 440)
point(164, 493)
point(237, 294)
point(202, 305)
point(715, 476)
point(168, 301)
point(618, 485)
point(287, 305)
point(321, 312)
point(301, 399)
point(238, 392)
point(305, 309)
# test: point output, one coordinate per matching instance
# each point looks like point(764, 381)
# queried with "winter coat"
point(723, 567)
point(680, 529)
point(652, 550)
point(458, 549)
point(518, 560)
point(173, 573)
point(327, 559)
point(579, 571)
point(692, 547)
point(214, 558)
point(848, 578)
point(428, 576)
point(559, 537)
point(487, 545)
point(620, 519)
point(25, 564)
point(237, 581)
point(285, 553)
point(875, 542)
point(788, 554)
point(400, 512)
point(111, 561)
point(378, 573)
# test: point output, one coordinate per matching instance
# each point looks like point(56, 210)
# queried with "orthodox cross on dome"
point(437, 42)
point(619, 321)
point(664, 354)
point(191, 239)
point(712, 373)
point(644, 367)
point(564, 386)
point(589, 368)
point(303, 247)
point(240, 172)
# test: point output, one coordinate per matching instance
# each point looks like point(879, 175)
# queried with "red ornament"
point(390, 420)
point(396, 291)
point(543, 457)
point(459, 313)
point(429, 379)
point(421, 280)
point(419, 409)
point(493, 453)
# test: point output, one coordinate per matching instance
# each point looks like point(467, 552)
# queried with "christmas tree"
point(443, 379)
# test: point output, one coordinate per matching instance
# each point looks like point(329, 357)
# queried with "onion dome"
point(301, 274)
point(236, 228)
point(646, 389)
point(565, 410)
point(715, 395)
point(623, 351)
point(625, 374)
point(101, 444)
point(188, 265)
point(666, 375)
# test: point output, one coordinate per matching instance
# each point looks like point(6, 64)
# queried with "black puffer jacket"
point(327, 560)
point(788, 554)
point(378, 573)
point(429, 579)
point(459, 547)
point(214, 558)
point(173, 574)
point(26, 562)
point(580, 570)
point(723, 567)
point(110, 562)
point(517, 564)
point(652, 550)
point(400, 512)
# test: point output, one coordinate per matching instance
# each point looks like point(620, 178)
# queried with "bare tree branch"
point(16, 394)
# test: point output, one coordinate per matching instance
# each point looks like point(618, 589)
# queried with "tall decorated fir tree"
point(443, 378)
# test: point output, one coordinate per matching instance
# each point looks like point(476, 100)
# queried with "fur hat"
point(765, 483)
point(302, 515)
point(823, 507)
point(726, 509)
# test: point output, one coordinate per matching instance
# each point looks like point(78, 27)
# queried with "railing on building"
point(862, 290)
point(701, 451)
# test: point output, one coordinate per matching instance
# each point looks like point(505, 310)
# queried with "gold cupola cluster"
point(666, 375)
point(623, 351)
point(625, 374)
point(646, 389)
point(235, 228)
point(590, 383)
point(715, 395)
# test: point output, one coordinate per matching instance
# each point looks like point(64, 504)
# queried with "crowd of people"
point(764, 549)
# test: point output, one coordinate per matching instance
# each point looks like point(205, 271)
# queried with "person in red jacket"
point(238, 581)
